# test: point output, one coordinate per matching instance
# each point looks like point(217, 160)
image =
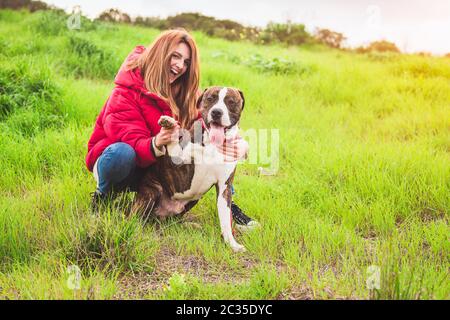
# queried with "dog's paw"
point(167, 122)
point(238, 248)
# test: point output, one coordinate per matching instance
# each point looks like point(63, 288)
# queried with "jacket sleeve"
point(124, 122)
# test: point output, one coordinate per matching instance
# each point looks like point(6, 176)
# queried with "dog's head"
point(221, 110)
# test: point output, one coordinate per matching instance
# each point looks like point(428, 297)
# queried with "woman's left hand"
point(234, 149)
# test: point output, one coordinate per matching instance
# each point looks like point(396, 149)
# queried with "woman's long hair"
point(154, 64)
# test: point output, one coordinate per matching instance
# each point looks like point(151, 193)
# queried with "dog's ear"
point(200, 98)
point(243, 99)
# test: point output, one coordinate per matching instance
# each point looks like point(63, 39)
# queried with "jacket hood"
point(133, 79)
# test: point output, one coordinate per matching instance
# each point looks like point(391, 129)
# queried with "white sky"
point(414, 25)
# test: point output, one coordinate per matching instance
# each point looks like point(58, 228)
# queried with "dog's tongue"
point(217, 134)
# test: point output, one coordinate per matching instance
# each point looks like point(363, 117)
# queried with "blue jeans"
point(116, 169)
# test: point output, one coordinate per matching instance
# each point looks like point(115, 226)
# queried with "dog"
point(191, 166)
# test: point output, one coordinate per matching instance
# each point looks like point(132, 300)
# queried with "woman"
point(162, 79)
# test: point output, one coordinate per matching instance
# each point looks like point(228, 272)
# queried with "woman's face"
point(179, 63)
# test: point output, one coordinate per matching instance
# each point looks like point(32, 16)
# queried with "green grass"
point(363, 179)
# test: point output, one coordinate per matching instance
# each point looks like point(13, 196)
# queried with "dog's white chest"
point(209, 171)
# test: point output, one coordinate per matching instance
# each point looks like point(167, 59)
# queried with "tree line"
point(284, 33)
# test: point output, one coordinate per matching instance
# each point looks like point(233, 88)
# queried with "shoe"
point(98, 199)
point(243, 222)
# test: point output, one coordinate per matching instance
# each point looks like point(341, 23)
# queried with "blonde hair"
point(154, 66)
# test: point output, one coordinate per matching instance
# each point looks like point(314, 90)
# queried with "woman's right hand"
point(166, 136)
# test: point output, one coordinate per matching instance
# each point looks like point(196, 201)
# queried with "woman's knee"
point(118, 157)
point(124, 153)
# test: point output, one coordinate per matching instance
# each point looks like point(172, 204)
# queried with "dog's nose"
point(216, 114)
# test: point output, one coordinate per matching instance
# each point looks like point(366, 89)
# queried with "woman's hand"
point(234, 149)
point(166, 136)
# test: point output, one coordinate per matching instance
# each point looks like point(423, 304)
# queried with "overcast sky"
point(414, 25)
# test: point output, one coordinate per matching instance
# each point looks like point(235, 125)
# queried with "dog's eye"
point(210, 98)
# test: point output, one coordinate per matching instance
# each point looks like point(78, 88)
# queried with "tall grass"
point(30, 102)
point(87, 60)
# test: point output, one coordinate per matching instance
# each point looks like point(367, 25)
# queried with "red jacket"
point(130, 115)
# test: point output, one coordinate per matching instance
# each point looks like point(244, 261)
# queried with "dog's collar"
point(204, 125)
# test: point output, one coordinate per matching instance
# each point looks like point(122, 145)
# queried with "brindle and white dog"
point(191, 167)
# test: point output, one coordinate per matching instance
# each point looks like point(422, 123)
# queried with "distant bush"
point(379, 46)
point(192, 21)
point(88, 60)
point(329, 38)
point(20, 4)
point(383, 46)
point(39, 5)
point(114, 15)
point(29, 100)
point(289, 33)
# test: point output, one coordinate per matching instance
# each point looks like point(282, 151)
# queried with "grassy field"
point(363, 179)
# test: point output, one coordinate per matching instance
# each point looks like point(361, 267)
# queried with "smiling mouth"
point(216, 123)
point(174, 73)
